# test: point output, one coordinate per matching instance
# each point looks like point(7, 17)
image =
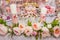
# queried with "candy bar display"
point(31, 18)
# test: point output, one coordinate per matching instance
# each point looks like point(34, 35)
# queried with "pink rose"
point(36, 26)
point(34, 33)
point(21, 27)
point(56, 31)
point(50, 9)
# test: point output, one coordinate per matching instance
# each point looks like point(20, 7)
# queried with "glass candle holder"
point(9, 21)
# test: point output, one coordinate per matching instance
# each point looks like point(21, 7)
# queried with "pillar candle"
point(13, 8)
point(14, 19)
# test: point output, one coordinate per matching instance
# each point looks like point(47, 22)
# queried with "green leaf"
point(3, 22)
point(40, 36)
point(15, 25)
point(29, 23)
point(51, 30)
point(25, 35)
point(36, 37)
point(45, 24)
point(55, 23)
point(40, 31)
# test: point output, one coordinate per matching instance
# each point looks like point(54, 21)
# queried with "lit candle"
point(7, 9)
point(13, 8)
point(14, 19)
point(43, 10)
point(46, 0)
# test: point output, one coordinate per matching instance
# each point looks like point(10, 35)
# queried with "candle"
point(7, 9)
point(13, 8)
point(46, 0)
point(43, 10)
point(14, 19)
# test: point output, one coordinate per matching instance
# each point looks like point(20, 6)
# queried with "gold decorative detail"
point(34, 4)
point(7, 1)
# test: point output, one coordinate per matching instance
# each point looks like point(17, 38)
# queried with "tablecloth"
point(22, 37)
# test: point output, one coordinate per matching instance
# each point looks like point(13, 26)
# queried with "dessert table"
point(27, 22)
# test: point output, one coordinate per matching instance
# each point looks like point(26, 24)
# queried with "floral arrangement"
point(32, 29)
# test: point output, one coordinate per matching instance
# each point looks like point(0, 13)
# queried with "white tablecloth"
point(7, 37)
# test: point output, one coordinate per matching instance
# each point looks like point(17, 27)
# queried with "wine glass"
point(50, 18)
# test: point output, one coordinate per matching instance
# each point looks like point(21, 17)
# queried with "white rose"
point(58, 14)
point(49, 26)
point(4, 17)
point(3, 29)
point(45, 29)
point(45, 32)
point(10, 30)
point(16, 31)
point(28, 31)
